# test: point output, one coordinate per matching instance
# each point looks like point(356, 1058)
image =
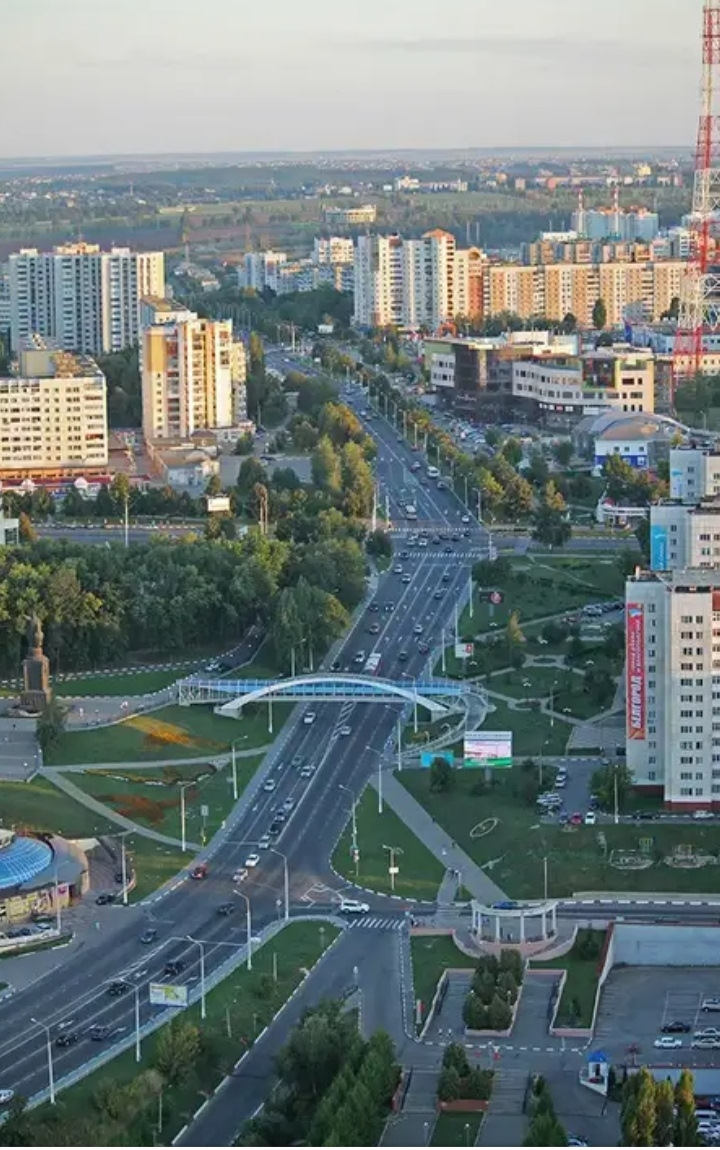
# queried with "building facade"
point(85, 298)
point(620, 379)
point(673, 685)
point(694, 474)
point(53, 416)
point(683, 536)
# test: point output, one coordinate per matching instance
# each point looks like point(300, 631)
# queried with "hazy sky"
point(109, 76)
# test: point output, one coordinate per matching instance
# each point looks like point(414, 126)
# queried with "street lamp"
point(393, 851)
point(183, 844)
point(286, 877)
point(123, 864)
point(234, 771)
point(51, 1076)
point(197, 942)
point(354, 825)
point(240, 894)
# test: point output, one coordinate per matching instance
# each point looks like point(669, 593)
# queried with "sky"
point(94, 77)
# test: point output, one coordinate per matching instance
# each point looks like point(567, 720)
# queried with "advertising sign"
point(487, 749)
point(635, 626)
point(658, 548)
point(426, 758)
point(218, 503)
point(676, 483)
point(463, 650)
point(496, 598)
point(163, 994)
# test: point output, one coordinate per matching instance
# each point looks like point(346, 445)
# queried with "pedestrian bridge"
point(439, 696)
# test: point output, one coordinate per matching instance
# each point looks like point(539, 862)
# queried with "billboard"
point(426, 758)
point(658, 548)
point(487, 749)
point(635, 628)
point(164, 994)
point(464, 650)
point(218, 503)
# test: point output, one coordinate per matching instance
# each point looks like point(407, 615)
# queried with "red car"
point(576, 820)
point(200, 871)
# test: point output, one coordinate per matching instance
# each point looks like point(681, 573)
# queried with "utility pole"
point(399, 743)
point(375, 508)
point(392, 869)
point(615, 792)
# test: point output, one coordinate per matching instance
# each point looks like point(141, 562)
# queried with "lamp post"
point(399, 743)
point(51, 1076)
point(197, 942)
point(123, 864)
point(234, 773)
point(248, 920)
point(183, 844)
point(286, 876)
point(354, 824)
point(393, 851)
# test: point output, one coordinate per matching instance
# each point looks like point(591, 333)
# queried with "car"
point(296, 761)
point(438, 595)
point(667, 1043)
point(709, 1004)
point(309, 717)
point(402, 657)
point(264, 842)
point(703, 815)
point(359, 658)
point(252, 861)
point(506, 904)
point(465, 519)
point(99, 1033)
point(424, 648)
point(148, 936)
point(274, 828)
point(117, 988)
point(345, 731)
point(406, 579)
point(374, 628)
point(374, 606)
point(418, 629)
point(68, 1038)
point(306, 773)
point(104, 899)
point(574, 1140)
point(707, 1032)
point(240, 875)
point(335, 665)
point(397, 569)
point(445, 578)
point(642, 816)
point(447, 550)
point(576, 819)
point(705, 1043)
point(174, 967)
point(403, 555)
point(676, 1028)
point(435, 539)
point(390, 606)
point(225, 909)
point(199, 872)
point(590, 818)
point(118, 876)
point(352, 906)
point(269, 785)
point(281, 813)
point(288, 805)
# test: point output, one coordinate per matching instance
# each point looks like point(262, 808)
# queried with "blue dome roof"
point(22, 859)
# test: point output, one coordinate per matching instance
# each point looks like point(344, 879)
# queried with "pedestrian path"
point(145, 765)
point(437, 841)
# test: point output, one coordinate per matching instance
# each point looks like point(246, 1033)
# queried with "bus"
point(372, 663)
point(410, 511)
point(433, 473)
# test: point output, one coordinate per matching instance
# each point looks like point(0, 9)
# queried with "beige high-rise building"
point(53, 416)
point(187, 376)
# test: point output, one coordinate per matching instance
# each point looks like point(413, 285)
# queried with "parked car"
point(667, 1043)
point(676, 1028)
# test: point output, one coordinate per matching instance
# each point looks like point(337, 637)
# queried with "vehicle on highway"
point(69, 1038)
point(438, 594)
point(359, 659)
point(667, 1043)
point(432, 473)
point(374, 628)
point(402, 657)
point(576, 819)
point(352, 906)
point(418, 629)
point(506, 904)
point(199, 872)
point(374, 606)
point(590, 818)
point(6, 1096)
point(676, 1028)
point(99, 1033)
point(389, 606)
point(406, 579)
point(309, 718)
point(424, 648)
point(710, 1004)
point(269, 785)
point(465, 519)
point(345, 731)
point(252, 861)
point(148, 935)
point(274, 828)
point(397, 569)
point(264, 842)
point(445, 578)
point(335, 665)
point(225, 909)
point(307, 772)
point(296, 761)
point(174, 967)
point(288, 805)
point(117, 988)
point(372, 663)
point(422, 542)
point(240, 875)
point(447, 550)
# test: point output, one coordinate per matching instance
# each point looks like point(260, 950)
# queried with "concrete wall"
point(641, 944)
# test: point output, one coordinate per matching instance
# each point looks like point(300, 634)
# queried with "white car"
point(309, 717)
point(308, 771)
point(345, 731)
point(465, 519)
point(352, 906)
point(703, 815)
point(269, 785)
point(252, 861)
point(6, 1096)
point(264, 842)
point(667, 1042)
point(590, 819)
point(240, 875)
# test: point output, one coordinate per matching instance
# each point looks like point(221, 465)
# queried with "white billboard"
point(463, 650)
point(487, 749)
point(164, 994)
point(218, 503)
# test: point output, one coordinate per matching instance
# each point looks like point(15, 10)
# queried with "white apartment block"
point(260, 270)
point(606, 380)
point(673, 684)
point(683, 536)
point(379, 281)
point(333, 250)
point(187, 377)
point(53, 416)
point(694, 474)
point(85, 298)
point(4, 301)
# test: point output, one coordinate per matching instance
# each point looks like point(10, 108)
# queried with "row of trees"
point(544, 1128)
point(655, 1113)
point(458, 1079)
point(334, 1088)
point(493, 991)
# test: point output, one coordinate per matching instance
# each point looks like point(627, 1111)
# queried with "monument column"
point(36, 671)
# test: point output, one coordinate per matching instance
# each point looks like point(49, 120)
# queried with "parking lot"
point(637, 1002)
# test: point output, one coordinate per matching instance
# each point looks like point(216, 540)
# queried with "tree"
point(120, 491)
point(177, 1050)
point(517, 499)
point(603, 782)
point(244, 445)
point(640, 1117)
point(599, 314)
point(442, 776)
point(569, 324)
point(17, 1126)
point(51, 725)
point(686, 1131)
point(325, 467)
point(449, 1083)
point(379, 544)
point(664, 1113)
point(213, 486)
point(537, 471)
point(563, 452)
point(513, 632)
point(513, 451)
point(551, 526)
point(26, 531)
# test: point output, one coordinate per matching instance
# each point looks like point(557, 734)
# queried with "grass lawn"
point(172, 732)
point(456, 1129)
point(533, 732)
point(33, 947)
point(154, 863)
point(577, 859)
point(431, 955)
point(420, 872)
point(581, 984)
point(542, 681)
point(242, 1004)
point(135, 683)
point(152, 797)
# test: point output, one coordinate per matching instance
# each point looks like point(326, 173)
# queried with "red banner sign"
point(635, 627)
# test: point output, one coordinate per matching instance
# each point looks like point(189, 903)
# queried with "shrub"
point(448, 1089)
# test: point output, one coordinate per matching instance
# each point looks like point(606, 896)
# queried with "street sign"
point(393, 870)
point(204, 811)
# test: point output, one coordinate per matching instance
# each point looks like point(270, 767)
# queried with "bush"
point(478, 1084)
point(448, 1089)
point(456, 1056)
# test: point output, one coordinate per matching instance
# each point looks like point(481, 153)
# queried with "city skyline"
point(536, 71)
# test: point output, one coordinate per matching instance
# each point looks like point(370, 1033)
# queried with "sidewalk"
point(438, 841)
point(221, 760)
point(75, 792)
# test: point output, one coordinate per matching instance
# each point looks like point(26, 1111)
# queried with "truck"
point(372, 663)
point(410, 511)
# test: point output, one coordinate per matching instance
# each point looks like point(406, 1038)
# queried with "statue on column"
point(36, 670)
point(35, 635)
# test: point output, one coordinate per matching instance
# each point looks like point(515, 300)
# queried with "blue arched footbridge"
point(439, 696)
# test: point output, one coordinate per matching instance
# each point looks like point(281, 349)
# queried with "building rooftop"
point(628, 426)
point(700, 579)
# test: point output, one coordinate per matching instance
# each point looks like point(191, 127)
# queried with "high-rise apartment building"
point(333, 250)
point(683, 536)
point(673, 684)
point(53, 416)
point(188, 369)
point(379, 281)
point(261, 269)
point(84, 298)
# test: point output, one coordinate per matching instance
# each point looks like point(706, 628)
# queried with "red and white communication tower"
point(700, 292)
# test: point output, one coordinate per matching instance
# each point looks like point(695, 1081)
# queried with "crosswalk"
point(376, 923)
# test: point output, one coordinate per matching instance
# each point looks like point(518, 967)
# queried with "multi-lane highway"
point(78, 997)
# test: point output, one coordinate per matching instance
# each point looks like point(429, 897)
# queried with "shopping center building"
point(38, 873)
